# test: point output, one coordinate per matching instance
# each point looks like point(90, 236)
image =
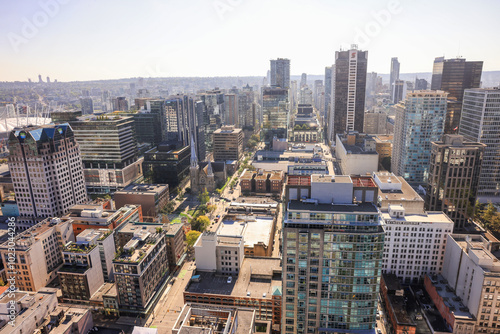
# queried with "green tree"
point(201, 223)
point(204, 197)
point(191, 237)
point(169, 208)
point(211, 208)
point(489, 212)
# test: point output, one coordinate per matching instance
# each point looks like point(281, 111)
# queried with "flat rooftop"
point(299, 180)
point(152, 189)
point(427, 217)
point(319, 178)
point(257, 276)
point(459, 310)
point(365, 207)
point(107, 289)
point(254, 229)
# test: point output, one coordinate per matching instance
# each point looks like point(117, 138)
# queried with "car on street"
point(229, 279)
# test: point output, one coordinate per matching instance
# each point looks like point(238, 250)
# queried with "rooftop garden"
point(79, 248)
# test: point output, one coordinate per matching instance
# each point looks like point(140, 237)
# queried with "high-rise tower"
point(348, 93)
point(394, 75)
point(280, 73)
point(46, 170)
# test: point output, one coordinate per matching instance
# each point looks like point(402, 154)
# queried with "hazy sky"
point(107, 39)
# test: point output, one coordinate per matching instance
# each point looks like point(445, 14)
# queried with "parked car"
point(229, 279)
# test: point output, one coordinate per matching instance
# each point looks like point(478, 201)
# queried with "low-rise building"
point(356, 153)
point(258, 286)
point(219, 253)
point(85, 216)
point(257, 231)
point(151, 197)
point(174, 234)
point(206, 319)
point(393, 295)
point(141, 269)
point(40, 313)
point(38, 253)
point(262, 182)
point(449, 305)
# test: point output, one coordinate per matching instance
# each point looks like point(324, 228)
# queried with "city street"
point(167, 310)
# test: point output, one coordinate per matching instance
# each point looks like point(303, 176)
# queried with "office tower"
point(306, 96)
point(332, 255)
point(394, 75)
point(115, 165)
point(107, 104)
point(280, 73)
point(245, 108)
point(275, 113)
point(454, 76)
point(479, 123)
point(85, 92)
point(48, 79)
point(197, 128)
point(120, 104)
point(397, 91)
point(87, 105)
point(303, 80)
point(167, 163)
point(228, 143)
point(151, 197)
point(371, 84)
point(294, 95)
point(231, 102)
point(420, 84)
point(453, 177)
point(319, 94)
point(176, 115)
point(214, 111)
point(40, 78)
point(46, 169)
point(328, 91)
point(348, 92)
point(38, 250)
point(471, 270)
point(149, 121)
point(419, 121)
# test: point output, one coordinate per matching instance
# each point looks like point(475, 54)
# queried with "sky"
point(73, 40)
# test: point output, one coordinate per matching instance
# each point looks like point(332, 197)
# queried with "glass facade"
point(480, 122)
point(419, 121)
point(331, 271)
point(275, 111)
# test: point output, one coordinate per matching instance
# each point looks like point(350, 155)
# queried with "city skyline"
point(76, 41)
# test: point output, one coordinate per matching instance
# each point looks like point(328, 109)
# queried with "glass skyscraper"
point(275, 112)
point(332, 255)
point(480, 123)
point(280, 73)
point(454, 76)
point(419, 121)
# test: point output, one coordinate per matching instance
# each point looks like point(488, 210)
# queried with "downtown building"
point(275, 113)
point(46, 171)
point(332, 255)
point(454, 76)
point(38, 253)
point(419, 121)
point(109, 152)
point(455, 166)
point(394, 75)
point(348, 92)
point(280, 73)
point(479, 123)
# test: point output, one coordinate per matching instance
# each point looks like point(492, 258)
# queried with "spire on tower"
point(194, 158)
point(210, 171)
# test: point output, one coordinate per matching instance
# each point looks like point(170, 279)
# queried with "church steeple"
point(194, 158)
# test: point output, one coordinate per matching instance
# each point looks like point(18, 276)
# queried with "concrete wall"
point(205, 254)
point(326, 192)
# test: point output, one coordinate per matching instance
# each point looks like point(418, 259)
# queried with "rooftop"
point(299, 180)
point(257, 276)
point(428, 217)
point(138, 247)
point(450, 299)
point(143, 189)
point(254, 229)
point(364, 207)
